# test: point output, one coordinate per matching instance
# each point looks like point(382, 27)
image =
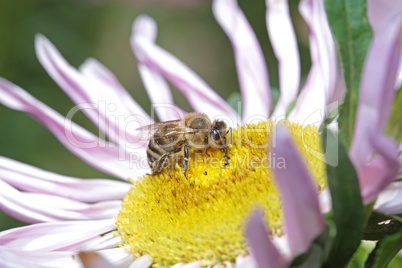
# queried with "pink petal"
point(52, 236)
point(398, 83)
point(94, 71)
point(103, 155)
point(32, 179)
point(389, 201)
point(92, 259)
point(376, 95)
point(141, 262)
point(17, 258)
point(250, 62)
point(283, 40)
point(158, 89)
point(321, 87)
point(245, 262)
point(106, 241)
point(380, 11)
point(325, 201)
point(116, 257)
point(377, 92)
point(381, 171)
point(262, 249)
point(188, 265)
point(282, 244)
point(154, 61)
point(303, 218)
point(33, 208)
point(119, 257)
point(100, 102)
point(400, 161)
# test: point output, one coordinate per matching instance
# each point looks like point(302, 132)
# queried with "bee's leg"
point(185, 160)
point(206, 152)
point(158, 165)
point(231, 136)
point(227, 158)
point(225, 150)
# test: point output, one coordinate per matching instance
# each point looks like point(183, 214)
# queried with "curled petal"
point(52, 236)
point(32, 179)
point(303, 219)
point(283, 40)
point(157, 61)
point(158, 89)
point(262, 249)
point(376, 95)
point(103, 155)
point(377, 89)
point(250, 62)
point(101, 102)
point(322, 86)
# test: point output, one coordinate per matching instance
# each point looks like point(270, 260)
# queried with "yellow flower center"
point(201, 218)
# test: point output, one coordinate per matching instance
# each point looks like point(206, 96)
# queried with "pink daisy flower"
point(71, 215)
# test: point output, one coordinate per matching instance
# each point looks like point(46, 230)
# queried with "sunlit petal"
point(100, 102)
point(158, 61)
point(32, 179)
point(250, 62)
point(54, 235)
point(96, 152)
point(283, 40)
point(321, 87)
point(38, 259)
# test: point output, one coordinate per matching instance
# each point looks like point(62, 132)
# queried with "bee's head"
point(218, 134)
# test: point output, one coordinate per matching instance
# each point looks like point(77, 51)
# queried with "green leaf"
point(275, 94)
point(375, 231)
point(234, 100)
point(394, 125)
point(385, 250)
point(349, 24)
point(347, 205)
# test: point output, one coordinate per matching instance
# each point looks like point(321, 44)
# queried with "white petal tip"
point(41, 40)
point(145, 26)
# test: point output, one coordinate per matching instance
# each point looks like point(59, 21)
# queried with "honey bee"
point(169, 141)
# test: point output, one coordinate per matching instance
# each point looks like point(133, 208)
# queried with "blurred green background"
point(101, 29)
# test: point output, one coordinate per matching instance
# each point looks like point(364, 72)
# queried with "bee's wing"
point(173, 127)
